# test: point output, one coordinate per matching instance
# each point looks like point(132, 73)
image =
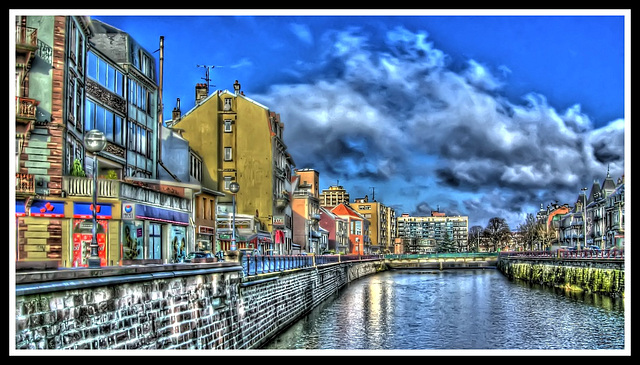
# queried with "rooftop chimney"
point(176, 114)
point(201, 92)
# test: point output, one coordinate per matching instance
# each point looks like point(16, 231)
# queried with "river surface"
point(457, 310)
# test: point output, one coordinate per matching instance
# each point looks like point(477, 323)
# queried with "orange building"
point(359, 242)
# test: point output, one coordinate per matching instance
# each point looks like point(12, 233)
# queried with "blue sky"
point(477, 113)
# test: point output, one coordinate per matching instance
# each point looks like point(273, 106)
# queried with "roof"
point(343, 209)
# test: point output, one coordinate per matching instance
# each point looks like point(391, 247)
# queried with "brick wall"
point(208, 306)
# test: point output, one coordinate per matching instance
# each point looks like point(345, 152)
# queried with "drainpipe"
point(160, 106)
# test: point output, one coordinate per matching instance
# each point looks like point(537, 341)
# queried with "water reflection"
point(457, 309)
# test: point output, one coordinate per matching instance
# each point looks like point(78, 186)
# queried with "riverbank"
point(569, 276)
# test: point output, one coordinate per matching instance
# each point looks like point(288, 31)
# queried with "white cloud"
point(369, 113)
point(302, 32)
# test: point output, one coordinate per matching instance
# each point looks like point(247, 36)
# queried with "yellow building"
point(382, 224)
point(240, 140)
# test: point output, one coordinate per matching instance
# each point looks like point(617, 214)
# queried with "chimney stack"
point(201, 92)
point(176, 114)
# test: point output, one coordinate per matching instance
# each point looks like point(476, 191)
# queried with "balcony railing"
point(83, 186)
point(26, 36)
point(25, 184)
point(26, 108)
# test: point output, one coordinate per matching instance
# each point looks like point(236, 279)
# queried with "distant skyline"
point(478, 113)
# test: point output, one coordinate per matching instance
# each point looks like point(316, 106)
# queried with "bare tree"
point(529, 231)
point(497, 232)
point(475, 234)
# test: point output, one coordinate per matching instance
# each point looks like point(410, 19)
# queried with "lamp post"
point(584, 217)
point(234, 187)
point(94, 142)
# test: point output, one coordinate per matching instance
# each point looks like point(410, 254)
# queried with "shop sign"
point(206, 230)
point(42, 208)
point(85, 211)
point(128, 211)
point(20, 211)
point(278, 220)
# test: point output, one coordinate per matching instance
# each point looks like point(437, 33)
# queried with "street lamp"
point(94, 142)
point(234, 187)
point(584, 217)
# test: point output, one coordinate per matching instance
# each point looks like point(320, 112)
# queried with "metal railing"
point(263, 264)
point(26, 107)
point(440, 255)
point(26, 36)
point(616, 254)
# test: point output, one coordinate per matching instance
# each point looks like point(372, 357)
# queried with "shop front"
point(152, 234)
point(82, 232)
point(248, 235)
point(39, 226)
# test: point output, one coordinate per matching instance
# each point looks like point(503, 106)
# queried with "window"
point(227, 126)
point(112, 125)
point(227, 104)
point(155, 241)
point(72, 42)
point(70, 101)
point(145, 64)
point(227, 182)
point(105, 74)
point(228, 156)
point(78, 110)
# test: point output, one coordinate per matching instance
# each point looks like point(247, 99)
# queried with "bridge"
point(442, 261)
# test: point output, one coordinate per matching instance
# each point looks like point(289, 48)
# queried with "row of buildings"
point(595, 219)
point(164, 186)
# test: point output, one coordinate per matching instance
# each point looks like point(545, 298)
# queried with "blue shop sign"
point(165, 215)
point(46, 208)
point(83, 210)
point(20, 211)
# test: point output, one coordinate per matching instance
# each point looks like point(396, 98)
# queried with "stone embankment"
point(606, 278)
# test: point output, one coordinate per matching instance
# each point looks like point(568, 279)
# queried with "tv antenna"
point(206, 74)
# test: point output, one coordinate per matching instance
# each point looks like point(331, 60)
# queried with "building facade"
point(337, 231)
point(597, 218)
point(358, 228)
point(49, 95)
point(427, 234)
point(333, 196)
point(306, 211)
point(97, 77)
point(240, 140)
point(382, 224)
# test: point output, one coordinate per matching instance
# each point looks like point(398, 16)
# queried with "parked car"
point(592, 248)
point(198, 255)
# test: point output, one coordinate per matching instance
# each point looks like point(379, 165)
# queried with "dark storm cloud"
point(398, 112)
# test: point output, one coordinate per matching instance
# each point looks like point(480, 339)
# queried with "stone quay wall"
point(193, 306)
point(604, 277)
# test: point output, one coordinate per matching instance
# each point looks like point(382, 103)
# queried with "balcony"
point(26, 37)
point(25, 184)
point(26, 46)
point(83, 186)
point(282, 200)
point(26, 109)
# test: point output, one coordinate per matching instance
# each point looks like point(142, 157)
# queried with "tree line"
point(532, 234)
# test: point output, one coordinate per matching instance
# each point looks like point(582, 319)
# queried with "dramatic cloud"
point(399, 118)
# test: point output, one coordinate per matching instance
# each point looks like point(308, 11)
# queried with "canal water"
point(457, 310)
